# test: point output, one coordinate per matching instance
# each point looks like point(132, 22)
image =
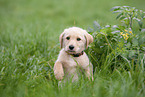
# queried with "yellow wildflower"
point(126, 37)
point(125, 30)
point(121, 33)
point(130, 32)
point(127, 34)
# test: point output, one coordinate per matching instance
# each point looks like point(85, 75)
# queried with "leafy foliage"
point(127, 14)
point(120, 48)
point(118, 43)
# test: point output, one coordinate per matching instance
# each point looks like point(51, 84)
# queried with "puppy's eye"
point(78, 39)
point(67, 38)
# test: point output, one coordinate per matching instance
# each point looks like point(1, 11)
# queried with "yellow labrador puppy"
point(72, 57)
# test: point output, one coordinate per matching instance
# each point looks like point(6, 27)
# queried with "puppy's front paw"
point(59, 75)
point(58, 70)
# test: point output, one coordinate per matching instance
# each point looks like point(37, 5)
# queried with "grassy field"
point(29, 31)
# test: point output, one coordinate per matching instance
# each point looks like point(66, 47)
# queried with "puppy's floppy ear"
point(89, 39)
point(61, 39)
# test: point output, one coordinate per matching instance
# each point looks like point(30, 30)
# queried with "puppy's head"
point(74, 40)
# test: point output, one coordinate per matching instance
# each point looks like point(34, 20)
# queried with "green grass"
point(29, 31)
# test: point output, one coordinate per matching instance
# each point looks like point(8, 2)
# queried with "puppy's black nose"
point(71, 47)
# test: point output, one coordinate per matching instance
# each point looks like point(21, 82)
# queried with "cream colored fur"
point(67, 66)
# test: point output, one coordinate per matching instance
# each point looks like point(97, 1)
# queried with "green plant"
point(120, 48)
point(127, 14)
point(118, 43)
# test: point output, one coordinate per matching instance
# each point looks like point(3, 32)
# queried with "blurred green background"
point(53, 16)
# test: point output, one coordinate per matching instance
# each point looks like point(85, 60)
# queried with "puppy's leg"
point(58, 70)
point(89, 72)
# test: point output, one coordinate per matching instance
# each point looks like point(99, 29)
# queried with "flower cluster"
point(126, 34)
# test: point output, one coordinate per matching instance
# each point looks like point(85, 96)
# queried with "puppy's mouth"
point(71, 51)
point(74, 51)
point(74, 54)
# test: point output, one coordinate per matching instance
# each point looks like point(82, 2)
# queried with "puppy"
point(72, 57)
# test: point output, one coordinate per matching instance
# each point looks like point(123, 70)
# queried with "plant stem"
point(130, 22)
point(108, 42)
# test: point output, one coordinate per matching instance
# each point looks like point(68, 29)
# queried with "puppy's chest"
point(71, 62)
